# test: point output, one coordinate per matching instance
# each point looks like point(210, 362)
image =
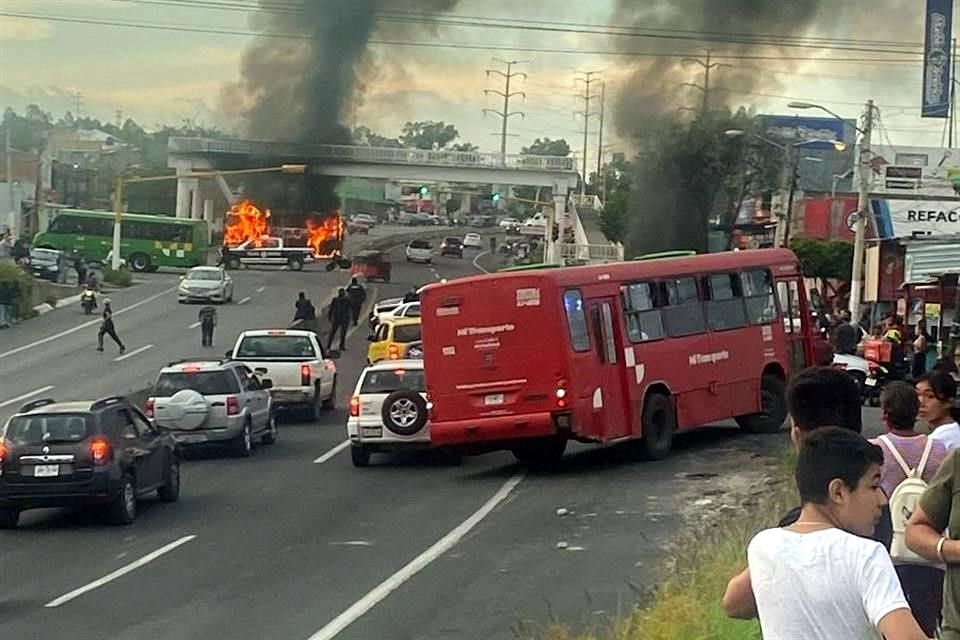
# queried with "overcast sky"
point(158, 76)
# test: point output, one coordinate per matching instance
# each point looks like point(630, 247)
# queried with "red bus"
point(528, 360)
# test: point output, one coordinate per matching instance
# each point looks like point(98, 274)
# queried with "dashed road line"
point(330, 454)
point(24, 396)
point(261, 289)
point(245, 300)
point(130, 354)
point(194, 325)
point(122, 571)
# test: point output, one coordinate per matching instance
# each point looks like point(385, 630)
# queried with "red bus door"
point(609, 401)
point(795, 325)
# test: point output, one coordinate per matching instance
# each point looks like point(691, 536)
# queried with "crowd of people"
point(344, 311)
point(874, 547)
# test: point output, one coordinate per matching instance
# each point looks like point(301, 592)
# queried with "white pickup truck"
point(293, 359)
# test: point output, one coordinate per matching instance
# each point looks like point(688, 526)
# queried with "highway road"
point(295, 542)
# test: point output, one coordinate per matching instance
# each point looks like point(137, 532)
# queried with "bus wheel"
point(540, 453)
point(140, 262)
point(773, 408)
point(659, 425)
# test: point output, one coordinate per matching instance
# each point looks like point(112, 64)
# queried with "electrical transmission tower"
point(708, 66)
point(506, 94)
point(587, 80)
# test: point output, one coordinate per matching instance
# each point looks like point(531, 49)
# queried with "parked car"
point(213, 401)
point(473, 241)
point(451, 246)
point(388, 411)
point(419, 251)
point(103, 453)
point(49, 264)
point(205, 284)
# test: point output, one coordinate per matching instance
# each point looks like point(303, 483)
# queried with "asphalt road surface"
point(295, 542)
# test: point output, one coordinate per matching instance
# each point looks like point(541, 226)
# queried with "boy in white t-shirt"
point(821, 577)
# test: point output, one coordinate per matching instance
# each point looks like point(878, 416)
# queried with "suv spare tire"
point(185, 410)
point(404, 412)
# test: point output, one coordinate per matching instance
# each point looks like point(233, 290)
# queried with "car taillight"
point(354, 407)
point(561, 393)
point(101, 451)
point(305, 375)
point(393, 352)
point(873, 367)
point(4, 450)
point(233, 405)
point(148, 408)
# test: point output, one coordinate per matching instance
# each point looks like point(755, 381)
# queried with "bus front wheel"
point(773, 407)
point(140, 262)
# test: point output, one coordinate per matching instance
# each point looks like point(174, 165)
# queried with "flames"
point(245, 221)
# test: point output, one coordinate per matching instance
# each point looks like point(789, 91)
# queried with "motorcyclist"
point(92, 281)
point(88, 298)
point(357, 295)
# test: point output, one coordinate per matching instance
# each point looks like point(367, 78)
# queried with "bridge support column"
point(196, 203)
point(185, 189)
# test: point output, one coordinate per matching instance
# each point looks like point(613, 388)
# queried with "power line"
point(707, 68)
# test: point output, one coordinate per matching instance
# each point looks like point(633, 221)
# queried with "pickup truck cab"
point(268, 251)
point(302, 374)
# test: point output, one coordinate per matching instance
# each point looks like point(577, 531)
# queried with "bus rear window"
point(576, 320)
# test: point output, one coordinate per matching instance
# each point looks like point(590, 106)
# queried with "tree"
point(366, 137)
point(428, 134)
point(824, 259)
point(547, 147)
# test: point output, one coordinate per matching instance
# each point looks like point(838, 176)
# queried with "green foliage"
point(826, 259)
point(17, 289)
point(428, 134)
point(468, 147)
point(120, 278)
point(366, 137)
point(613, 219)
point(547, 147)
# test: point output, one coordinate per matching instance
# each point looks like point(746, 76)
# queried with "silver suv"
point(213, 401)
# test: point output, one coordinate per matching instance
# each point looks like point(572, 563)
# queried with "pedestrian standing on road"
point(305, 311)
point(208, 320)
point(339, 316)
point(357, 295)
point(107, 328)
point(80, 266)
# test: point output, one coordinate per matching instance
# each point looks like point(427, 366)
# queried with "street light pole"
point(117, 222)
point(863, 204)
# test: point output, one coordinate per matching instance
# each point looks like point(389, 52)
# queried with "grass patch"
point(688, 605)
point(118, 277)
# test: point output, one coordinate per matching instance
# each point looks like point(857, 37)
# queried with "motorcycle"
point(88, 301)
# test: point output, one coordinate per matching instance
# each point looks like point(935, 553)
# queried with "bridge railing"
point(587, 201)
point(386, 155)
point(592, 252)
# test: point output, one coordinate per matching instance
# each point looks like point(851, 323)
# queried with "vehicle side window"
point(683, 314)
point(576, 320)
point(789, 295)
point(124, 425)
point(245, 376)
point(142, 426)
point(383, 332)
point(724, 305)
point(644, 321)
point(758, 296)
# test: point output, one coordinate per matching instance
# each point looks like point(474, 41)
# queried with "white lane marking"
point(122, 571)
point(24, 396)
point(130, 354)
point(329, 454)
point(477, 257)
point(441, 546)
point(261, 289)
point(56, 336)
point(194, 325)
point(245, 300)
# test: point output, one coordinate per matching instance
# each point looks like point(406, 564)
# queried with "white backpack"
point(904, 500)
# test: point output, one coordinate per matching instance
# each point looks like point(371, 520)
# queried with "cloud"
point(20, 29)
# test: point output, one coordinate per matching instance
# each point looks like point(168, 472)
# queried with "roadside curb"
point(46, 307)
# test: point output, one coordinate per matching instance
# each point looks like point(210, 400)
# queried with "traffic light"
point(424, 190)
point(555, 234)
point(495, 198)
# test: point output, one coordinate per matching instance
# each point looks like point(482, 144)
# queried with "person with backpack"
point(910, 462)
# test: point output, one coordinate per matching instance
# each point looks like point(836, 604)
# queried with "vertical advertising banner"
point(936, 59)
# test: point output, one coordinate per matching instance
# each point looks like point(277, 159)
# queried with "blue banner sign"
point(936, 59)
point(793, 129)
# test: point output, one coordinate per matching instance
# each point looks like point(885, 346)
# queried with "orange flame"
point(245, 222)
point(325, 236)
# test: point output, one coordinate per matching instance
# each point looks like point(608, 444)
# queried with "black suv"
point(59, 454)
point(451, 247)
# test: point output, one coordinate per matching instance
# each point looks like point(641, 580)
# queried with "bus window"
point(758, 294)
point(684, 314)
point(643, 318)
point(724, 305)
point(576, 320)
point(790, 305)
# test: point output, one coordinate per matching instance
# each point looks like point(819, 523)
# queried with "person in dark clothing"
point(411, 296)
point(339, 316)
point(357, 295)
point(208, 320)
point(846, 337)
point(107, 328)
point(80, 266)
point(920, 344)
point(304, 308)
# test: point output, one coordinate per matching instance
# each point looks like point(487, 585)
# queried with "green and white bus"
point(147, 242)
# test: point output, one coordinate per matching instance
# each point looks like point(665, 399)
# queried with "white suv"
point(419, 251)
point(388, 411)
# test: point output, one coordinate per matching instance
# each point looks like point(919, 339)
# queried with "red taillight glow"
point(100, 450)
point(354, 407)
point(4, 448)
point(305, 373)
point(233, 405)
point(148, 407)
point(561, 393)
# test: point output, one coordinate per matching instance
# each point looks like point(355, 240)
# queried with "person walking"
point(107, 328)
point(80, 266)
point(339, 316)
point(208, 320)
point(920, 344)
point(357, 295)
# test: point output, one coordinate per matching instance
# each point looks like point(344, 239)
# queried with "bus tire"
point(540, 453)
point(139, 262)
point(659, 425)
point(773, 398)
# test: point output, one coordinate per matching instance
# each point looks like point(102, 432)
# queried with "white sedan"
point(473, 240)
point(204, 284)
point(509, 223)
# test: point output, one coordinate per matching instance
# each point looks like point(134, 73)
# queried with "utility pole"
point(863, 205)
point(708, 66)
point(8, 161)
point(603, 97)
point(506, 95)
point(587, 80)
point(953, 92)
